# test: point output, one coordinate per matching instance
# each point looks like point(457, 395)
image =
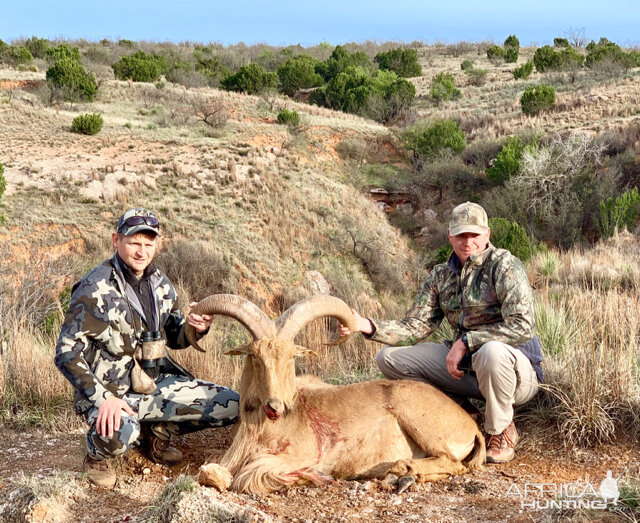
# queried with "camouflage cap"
point(138, 220)
point(468, 217)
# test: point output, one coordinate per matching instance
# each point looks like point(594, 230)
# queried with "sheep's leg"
point(428, 469)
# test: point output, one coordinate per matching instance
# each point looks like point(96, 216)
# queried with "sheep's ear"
point(304, 351)
point(243, 350)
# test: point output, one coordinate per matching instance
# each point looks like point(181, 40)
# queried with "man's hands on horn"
point(200, 323)
point(363, 325)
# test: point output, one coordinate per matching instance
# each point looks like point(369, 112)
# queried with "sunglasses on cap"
point(132, 221)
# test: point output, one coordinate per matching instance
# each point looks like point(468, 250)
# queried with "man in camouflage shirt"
point(110, 308)
point(484, 293)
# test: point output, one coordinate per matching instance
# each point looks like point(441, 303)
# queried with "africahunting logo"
point(577, 495)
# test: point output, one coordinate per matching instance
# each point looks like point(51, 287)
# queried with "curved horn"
point(247, 313)
point(305, 311)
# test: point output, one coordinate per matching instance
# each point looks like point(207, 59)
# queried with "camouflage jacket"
point(99, 335)
point(489, 298)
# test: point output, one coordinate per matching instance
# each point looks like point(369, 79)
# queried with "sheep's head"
point(268, 380)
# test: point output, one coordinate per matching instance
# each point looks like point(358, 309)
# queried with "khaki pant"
point(504, 376)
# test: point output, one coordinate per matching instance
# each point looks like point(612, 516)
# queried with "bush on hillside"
point(496, 53)
point(443, 87)
point(290, 118)
point(382, 97)
point(37, 46)
point(511, 48)
point(3, 47)
point(546, 58)
point(537, 99)
point(62, 51)
point(618, 213)
point(466, 65)
point(298, 73)
point(511, 236)
point(318, 97)
point(477, 77)
point(210, 65)
point(403, 62)
point(87, 124)
point(140, 67)
point(560, 42)
point(250, 79)
point(524, 71)
point(610, 54)
point(429, 140)
point(70, 79)
point(341, 60)
point(16, 56)
point(507, 162)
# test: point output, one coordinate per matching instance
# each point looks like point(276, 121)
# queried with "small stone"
point(146, 471)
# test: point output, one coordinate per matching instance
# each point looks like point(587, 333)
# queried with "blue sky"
point(290, 22)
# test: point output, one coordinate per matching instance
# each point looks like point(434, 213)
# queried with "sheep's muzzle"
point(273, 409)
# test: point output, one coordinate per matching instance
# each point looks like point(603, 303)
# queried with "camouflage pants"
point(180, 405)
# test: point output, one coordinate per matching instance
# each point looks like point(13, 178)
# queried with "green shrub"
point(73, 82)
point(429, 140)
point(545, 59)
point(290, 118)
point(496, 53)
point(524, 71)
point(511, 236)
point(381, 97)
point(466, 65)
point(539, 98)
point(560, 42)
point(403, 62)
point(512, 48)
point(341, 60)
point(298, 73)
point(87, 124)
point(140, 67)
point(618, 213)
point(126, 43)
point(3, 47)
point(507, 162)
point(250, 79)
point(318, 97)
point(610, 53)
point(61, 51)
point(210, 65)
point(16, 56)
point(477, 77)
point(443, 88)
point(37, 46)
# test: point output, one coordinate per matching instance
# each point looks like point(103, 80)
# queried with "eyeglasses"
point(132, 221)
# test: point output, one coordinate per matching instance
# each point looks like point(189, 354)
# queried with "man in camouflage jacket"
point(484, 294)
point(110, 308)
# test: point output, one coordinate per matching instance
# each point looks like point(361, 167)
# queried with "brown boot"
point(160, 451)
point(100, 472)
point(501, 447)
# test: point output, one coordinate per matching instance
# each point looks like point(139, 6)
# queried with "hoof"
point(404, 483)
point(390, 479)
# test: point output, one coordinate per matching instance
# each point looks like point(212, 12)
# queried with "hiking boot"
point(160, 451)
point(501, 447)
point(100, 472)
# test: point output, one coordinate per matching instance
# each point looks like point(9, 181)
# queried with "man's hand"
point(456, 353)
point(363, 325)
point(109, 415)
point(199, 323)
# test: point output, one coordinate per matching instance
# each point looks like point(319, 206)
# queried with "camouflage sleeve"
point(516, 298)
point(421, 320)
point(86, 321)
point(174, 329)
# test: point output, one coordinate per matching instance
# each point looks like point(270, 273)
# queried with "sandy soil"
point(481, 496)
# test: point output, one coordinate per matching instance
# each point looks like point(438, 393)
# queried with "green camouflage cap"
point(468, 217)
point(138, 220)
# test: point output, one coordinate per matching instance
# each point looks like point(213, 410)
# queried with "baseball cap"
point(138, 220)
point(468, 217)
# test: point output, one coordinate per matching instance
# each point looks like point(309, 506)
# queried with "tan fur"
point(362, 430)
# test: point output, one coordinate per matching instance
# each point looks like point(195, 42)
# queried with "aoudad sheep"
point(296, 430)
